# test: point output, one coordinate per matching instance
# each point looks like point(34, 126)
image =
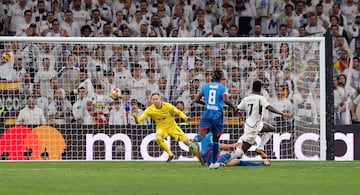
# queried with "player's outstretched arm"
point(229, 103)
point(286, 116)
point(140, 118)
point(198, 99)
point(180, 113)
point(230, 146)
point(187, 118)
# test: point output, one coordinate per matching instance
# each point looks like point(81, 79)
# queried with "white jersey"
point(254, 106)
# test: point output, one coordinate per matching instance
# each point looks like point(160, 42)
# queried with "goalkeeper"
point(161, 113)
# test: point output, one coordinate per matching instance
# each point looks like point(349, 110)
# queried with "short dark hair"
point(217, 75)
point(32, 25)
point(136, 65)
point(256, 86)
point(99, 86)
point(80, 88)
point(68, 11)
point(27, 11)
point(83, 70)
point(133, 101)
point(31, 96)
point(110, 72)
point(55, 20)
point(150, 70)
point(85, 27)
point(126, 90)
point(95, 10)
point(180, 102)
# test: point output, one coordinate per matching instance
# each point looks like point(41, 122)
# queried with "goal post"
point(289, 67)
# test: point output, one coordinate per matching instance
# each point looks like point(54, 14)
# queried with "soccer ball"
point(115, 93)
point(6, 57)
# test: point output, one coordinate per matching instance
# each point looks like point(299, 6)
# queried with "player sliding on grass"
point(161, 113)
point(207, 150)
point(253, 105)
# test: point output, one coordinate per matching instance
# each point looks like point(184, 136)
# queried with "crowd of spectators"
point(71, 82)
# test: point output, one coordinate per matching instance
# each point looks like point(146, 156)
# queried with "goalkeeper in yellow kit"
point(161, 113)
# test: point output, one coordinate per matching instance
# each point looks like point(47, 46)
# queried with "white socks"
point(264, 139)
point(236, 154)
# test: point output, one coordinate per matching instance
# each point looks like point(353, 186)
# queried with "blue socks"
point(223, 158)
point(250, 163)
point(215, 151)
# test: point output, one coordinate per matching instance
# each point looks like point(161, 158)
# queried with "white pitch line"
point(33, 169)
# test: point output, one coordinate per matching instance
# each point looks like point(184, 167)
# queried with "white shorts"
point(250, 133)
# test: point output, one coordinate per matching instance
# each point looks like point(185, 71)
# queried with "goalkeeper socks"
point(224, 158)
point(264, 139)
point(215, 150)
point(250, 163)
point(163, 145)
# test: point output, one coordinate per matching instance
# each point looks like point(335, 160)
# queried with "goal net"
point(69, 80)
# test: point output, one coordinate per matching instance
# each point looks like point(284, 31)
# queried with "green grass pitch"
point(155, 178)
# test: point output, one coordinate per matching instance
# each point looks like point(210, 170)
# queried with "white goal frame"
point(197, 40)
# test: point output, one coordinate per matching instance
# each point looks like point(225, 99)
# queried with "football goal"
point(70, 80)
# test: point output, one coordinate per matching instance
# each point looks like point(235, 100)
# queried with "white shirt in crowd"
point(29, 116)
point(118, 117)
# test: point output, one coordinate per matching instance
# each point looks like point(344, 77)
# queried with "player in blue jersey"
point(206, 145)
point(215, 95)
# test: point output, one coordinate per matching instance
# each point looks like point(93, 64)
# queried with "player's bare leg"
point(268, 128)
point(232, 162)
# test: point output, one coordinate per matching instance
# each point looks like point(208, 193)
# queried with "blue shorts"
point(213, 121)
point(207, 158)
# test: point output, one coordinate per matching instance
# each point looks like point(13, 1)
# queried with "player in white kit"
point(254, 106)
